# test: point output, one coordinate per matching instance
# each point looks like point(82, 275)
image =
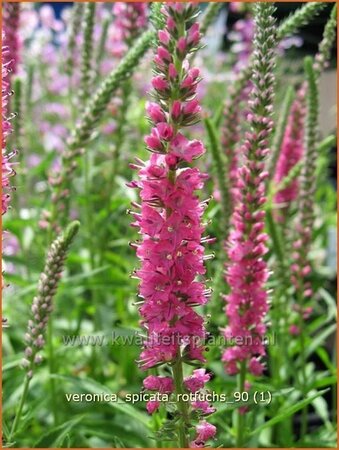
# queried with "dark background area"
point(311, 34)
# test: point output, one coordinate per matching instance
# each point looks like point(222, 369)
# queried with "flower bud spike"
point(47, 287)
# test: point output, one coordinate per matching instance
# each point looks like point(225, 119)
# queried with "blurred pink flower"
point(11, 40)
point(129, 21)
point(292, 150)
point(205, 431)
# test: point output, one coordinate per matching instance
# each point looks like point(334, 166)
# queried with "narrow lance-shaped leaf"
point(287, 412)
point(17, 110)
point(219, 165)
point(280, 130)
point(101, 47)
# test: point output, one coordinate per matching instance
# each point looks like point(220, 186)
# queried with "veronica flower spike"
point(247, 303)
point(170, 249)
point(6, 166)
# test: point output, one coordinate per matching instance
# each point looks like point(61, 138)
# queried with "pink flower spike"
point(6, 165)
point(246, 270)
point(169, 218)
point(292, 150)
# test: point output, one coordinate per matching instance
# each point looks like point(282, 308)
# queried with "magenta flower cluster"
point(171, 250)
point(11, 39)
point(6, 166)
point(246, 274)
point(193, 383)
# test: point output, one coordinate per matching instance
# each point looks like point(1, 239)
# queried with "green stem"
point(181, 405)
point(101, 47)
point(279, 311)
point(241, 418)
point(275, 236)
point(119, 140)
point(335, 387)
point(52, 370)
point(223, 184)
point(304, 412)
point(280, 131)
point(279, 314)
point(86, 54)
point(88, 209)
point(304, 422)
point(90, 226)
point(19, 410)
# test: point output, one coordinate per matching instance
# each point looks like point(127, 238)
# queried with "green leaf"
point(323, 355)
point(219, 167)
point(280, 129)
point(65, 281)
point(330, 302)
point(55, 437)
point(287, 412)
point(321, 407)
point(320, 338)
point(94, 387)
